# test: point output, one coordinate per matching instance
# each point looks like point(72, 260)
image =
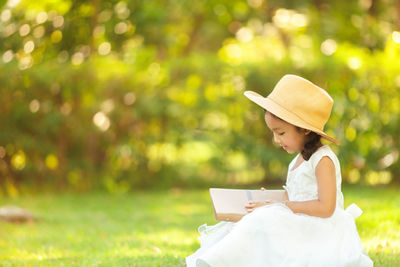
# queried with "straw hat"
point(299, 102)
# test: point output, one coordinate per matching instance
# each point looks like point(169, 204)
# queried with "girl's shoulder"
point(323, 151)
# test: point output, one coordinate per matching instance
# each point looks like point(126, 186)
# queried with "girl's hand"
point(256, 204)
point(262, 189)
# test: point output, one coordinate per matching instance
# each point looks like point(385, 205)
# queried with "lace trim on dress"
point(210, 234)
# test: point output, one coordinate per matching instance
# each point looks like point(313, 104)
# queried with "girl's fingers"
point(262, 189)
point(251, 205)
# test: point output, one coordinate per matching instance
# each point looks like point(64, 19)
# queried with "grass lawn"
point(157, 228)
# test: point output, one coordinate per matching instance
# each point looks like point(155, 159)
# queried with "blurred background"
point(127, 95)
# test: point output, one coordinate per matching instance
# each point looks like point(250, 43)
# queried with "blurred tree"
point(137, 94)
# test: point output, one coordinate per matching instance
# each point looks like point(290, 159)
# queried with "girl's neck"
point(305, 152)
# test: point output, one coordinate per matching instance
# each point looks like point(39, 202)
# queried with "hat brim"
point(285, 114)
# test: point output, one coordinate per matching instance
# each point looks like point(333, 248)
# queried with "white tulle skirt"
point(275, 236)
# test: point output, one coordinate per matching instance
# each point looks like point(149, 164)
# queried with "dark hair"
point(313, 141)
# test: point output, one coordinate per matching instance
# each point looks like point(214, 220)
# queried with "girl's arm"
point(325, 205)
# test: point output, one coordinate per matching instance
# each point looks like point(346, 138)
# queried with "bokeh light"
point(58, 21)
point(41, 17)
point(101, 121)
point(389, 159)
point(105, 15)
point(51, 161)
point(121, 9)
point(25, 62)
point(354, 63)
point(77, 58)
point(29, 47)
point(34, 106)
point(99, 30)
point(13, 3)
point(328, 47)
point(66, 109)
point(38, 32)
point(18, 160)
point(121, 28)
point(129, 98)
point(234, 51)
point(8, 56)
point(396, 37)
point(104, 48)
point(24, 30)
point(5, 15)
point(9, 29)
point(286, 18)
point(378, 177)
point(56, 36)
point(107, 106)
point(244, 35)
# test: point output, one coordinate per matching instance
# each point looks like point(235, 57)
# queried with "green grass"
point(156, 228)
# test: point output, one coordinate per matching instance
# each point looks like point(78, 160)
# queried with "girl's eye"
point(281, 133)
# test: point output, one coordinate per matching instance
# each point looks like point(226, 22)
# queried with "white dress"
point(273, 235)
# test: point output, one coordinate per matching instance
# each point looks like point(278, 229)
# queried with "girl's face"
point(288, 136)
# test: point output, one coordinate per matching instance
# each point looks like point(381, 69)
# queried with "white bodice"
point(301, 183)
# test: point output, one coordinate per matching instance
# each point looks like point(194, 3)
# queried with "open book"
point(229, 204)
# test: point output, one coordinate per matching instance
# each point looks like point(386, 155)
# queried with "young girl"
point(309, 228)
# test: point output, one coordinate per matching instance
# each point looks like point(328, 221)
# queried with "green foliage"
point(157, 228)
point(138, 94)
